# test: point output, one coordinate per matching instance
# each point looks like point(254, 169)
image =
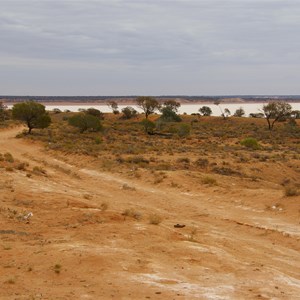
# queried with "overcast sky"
point(149, 47)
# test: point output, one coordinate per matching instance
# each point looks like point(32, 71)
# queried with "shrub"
point(155, 219)
point(130, 212)
point(239, 112)
point(56, 110)
point(137, 159)
point(291, 190)
point(57, 268)
point(201, 162)
point(104, 206)
point(21, 166)
point(10, 281)
point(39, 171)
point(205, 111)
point(292, 122)
point(148, 125)
point(127, 187)
point(85, 122)
point(8, 157)
point(129, 112)
point(95, 112)
point(225, 171)
point(184, 160)
point(184, 130)
point(169, 115)
point(98, 140)
point(250, 143)
point(209, 180)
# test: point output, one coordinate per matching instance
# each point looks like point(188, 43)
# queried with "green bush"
point(129, 112)
point(250, 143)
point(148, 125)
point(85, 122)
point(168, 115)
point(95, 112)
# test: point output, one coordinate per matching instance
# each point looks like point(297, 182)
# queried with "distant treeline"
point(180, 98)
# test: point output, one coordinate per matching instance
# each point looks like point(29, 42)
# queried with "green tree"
point(32, 113)
point(239, 112)
point(218, 102)
point(147, 104)
point(85, 122)
point(226, 113)
point(169, 115)
point(205, 111)
point(276, 110)
point(113, 105)
point(129, 112)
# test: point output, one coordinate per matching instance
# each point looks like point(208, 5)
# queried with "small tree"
point(32, 113)
point(85, 122)
point(129, 112)
point(218, 102)
point(205, 111)
point(275, 111)
point(172, 105)
point(113, 105)
point(239, 112)
point(147, 104)
point(168, 115)
point(227, 113)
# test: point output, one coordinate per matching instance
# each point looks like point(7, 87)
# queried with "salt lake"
point(185, 108)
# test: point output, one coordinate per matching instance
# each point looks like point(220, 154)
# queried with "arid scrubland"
point(240, 147)
point(205, 208)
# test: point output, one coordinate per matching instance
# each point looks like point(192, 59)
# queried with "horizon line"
point(165, 95)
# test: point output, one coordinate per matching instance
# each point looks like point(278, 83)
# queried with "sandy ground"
point(237, 243)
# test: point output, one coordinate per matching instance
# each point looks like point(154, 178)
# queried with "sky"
point(149, 47)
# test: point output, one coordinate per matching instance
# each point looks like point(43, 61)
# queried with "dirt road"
point(90, 237)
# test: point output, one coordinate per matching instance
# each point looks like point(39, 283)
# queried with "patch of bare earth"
point(66, 233)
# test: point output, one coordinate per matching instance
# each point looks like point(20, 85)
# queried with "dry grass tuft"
point(155, 219)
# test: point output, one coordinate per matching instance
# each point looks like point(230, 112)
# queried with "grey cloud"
point(134, 39)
